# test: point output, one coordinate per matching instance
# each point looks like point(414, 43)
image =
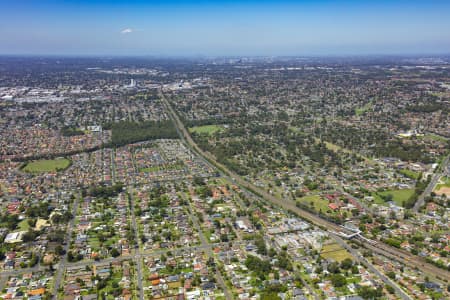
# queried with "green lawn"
point(335, 148)
point(23, 225)
point(206, 129)
point(435, 137)
point(175, 166)
point(398, 196)
point(443, 182)
point(410, 174)
point(334, 252)
point(94, 242)
point(360, 110)
point(46, 165)
point(319, 202)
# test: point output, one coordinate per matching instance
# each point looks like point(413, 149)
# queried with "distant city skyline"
point(224, 28)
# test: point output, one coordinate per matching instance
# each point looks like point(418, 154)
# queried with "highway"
point(404, 257)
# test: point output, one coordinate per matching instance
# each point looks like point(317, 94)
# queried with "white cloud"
point(126, 31)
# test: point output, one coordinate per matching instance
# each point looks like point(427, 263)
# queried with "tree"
point(391, 274)
point(390, 289)
point(346, 263)
point(283, 261)
point(29, 236)
point(59, 250)
point(71, 257)
point(388, 198)
point(114, 252)
point(370, 293)
point(270, 296)
point(101, 284)
point(334, 267)
point(259, 266)
point(33, 260)
point(126, 132)
point(224, 237)
point(260, 245)
point(338, 280)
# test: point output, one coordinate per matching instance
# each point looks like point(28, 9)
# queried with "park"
point(46, 165)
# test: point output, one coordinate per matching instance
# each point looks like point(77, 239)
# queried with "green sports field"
point(46, 165)
point(206, 129)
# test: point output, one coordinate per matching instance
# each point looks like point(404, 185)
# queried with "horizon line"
point(341, 55)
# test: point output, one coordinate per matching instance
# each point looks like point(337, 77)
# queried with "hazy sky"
point(100, 27)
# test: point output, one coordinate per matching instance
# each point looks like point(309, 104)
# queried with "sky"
point(224, 27)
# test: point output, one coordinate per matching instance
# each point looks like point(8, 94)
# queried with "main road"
point(362, 260)
point(441, 171)
point(137, 250)
point(404, 257)
point(206, 245)
point(63, 261)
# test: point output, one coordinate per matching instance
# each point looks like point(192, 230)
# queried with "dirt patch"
point(443, 191)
